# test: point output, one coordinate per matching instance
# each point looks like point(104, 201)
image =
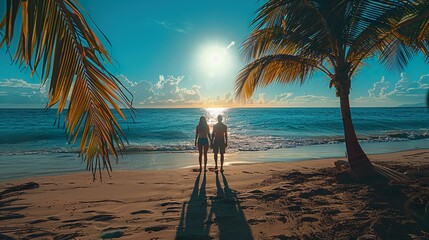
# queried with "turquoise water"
point(30, 144)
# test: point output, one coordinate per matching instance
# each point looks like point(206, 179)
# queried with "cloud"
point(379, 89)
point(281, 98)
point(141, 91)
point(261, 98)
point(185, 28)
point(288, 99)
point(166, 91)
point(405, 87)
point(22, 93)
point(403, 91)
point(312, 100)
point(228, 97)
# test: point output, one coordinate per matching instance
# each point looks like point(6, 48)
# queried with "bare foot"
point(221, 170)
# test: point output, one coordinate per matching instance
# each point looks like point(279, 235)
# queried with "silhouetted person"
point(219, 141)
point(202, 136)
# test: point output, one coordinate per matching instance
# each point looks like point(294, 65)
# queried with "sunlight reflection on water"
point(212, 113)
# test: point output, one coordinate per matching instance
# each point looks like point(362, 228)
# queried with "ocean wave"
point(238, 142)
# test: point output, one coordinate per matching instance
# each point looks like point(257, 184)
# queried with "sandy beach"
point(297, 200)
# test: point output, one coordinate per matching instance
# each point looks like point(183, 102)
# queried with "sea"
point(33, 141)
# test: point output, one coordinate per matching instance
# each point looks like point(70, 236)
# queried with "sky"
point(171, 53)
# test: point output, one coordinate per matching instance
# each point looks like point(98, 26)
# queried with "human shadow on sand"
point(192, 223)
point(227, 213)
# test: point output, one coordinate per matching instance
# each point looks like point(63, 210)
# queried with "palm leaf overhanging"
point(55, 39)
point(291, 39)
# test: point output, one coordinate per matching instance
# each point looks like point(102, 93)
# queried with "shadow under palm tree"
point(192, 223)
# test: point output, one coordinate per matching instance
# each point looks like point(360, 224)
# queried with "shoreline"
point(300, 200)
point(317, 162)
point(21, 166)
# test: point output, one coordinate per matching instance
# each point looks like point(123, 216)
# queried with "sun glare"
point(214, 60)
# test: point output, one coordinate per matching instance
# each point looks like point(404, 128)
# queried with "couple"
point(218, 140)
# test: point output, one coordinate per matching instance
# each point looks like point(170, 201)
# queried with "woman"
point(203, 136)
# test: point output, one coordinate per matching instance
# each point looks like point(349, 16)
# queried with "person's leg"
point(200, 153)
point(215, 159)
point(206, 148)
point(221, 161)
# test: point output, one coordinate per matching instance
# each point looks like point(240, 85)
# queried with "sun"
point(214, 60)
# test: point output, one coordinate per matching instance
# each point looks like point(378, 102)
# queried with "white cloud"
point(185, 28)
point(20, 92)
point(306, 100)
point(164, 92)
point(228, 97)
point(403, 91)
point(423, 82)
point(261, 98)
point(281, 98)
point(379, 89)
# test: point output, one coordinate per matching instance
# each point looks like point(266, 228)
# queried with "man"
point(219, 141)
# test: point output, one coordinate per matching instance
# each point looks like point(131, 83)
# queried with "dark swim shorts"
point(203, 141)
point(219, 145)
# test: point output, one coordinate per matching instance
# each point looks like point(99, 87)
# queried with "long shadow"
point(228, 214)
point(192, 223)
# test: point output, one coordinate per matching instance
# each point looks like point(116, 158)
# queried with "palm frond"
point(272, 40)
point(55, 38)
point(377, 33)
point(301, 21)
point(414, 27)
point(279, 68)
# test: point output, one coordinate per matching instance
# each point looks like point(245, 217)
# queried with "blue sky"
point(186, 54)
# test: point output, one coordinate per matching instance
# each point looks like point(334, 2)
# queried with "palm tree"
point(55, 40)
point(292, 39)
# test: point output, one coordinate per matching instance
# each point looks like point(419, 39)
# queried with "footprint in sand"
point(73, 225)
point(11, 216)
point(101, 218)
point(256, 191)
point(38, 221)
point(169, 203)
point(309, 219)
point(156, 228)
point(294, 208)
point(256, 221)
point(142, 212)
point(282, 219)
point(171, 211)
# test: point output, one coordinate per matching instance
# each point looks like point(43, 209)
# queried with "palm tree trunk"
point(360, 165)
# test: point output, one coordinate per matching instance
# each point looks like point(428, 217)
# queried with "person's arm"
point(196, 135)
point(208, 134)
point(226, 136)
point(213, 135)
